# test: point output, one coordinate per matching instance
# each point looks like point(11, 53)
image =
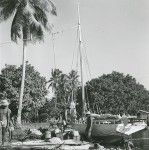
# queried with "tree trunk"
point(55, 100)
point(65, 115)
point(22, 86)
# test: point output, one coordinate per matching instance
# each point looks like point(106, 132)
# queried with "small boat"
point(41, 144)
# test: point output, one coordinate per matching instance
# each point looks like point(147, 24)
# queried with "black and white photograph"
point(74, 74)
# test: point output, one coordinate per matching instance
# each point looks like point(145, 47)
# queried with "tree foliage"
point(30, 17)
point(34, 92)
point(115, 93)
point(63, 86)
point(111, 93)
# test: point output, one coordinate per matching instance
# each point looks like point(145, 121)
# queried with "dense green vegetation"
point(36, 107)
point(116, 93)
point(34, 92)
point(112, 93)
point(65, 90)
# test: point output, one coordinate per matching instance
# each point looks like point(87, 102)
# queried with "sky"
point(115, 38)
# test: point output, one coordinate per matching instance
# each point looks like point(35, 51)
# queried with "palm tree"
point(74, 83)
point(54, 82)
point(64, 94)
point(30, 18)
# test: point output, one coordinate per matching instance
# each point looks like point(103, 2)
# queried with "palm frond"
point(32, 29)
point(29, 12)
point(41, 17)
point(36, 32)
point(42, 8)
point(26, 28)
point(53, 8)
point(45, 5)
point(30, 17)
point(16, 27)
point(8, 8)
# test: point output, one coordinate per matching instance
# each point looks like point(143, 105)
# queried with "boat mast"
point(81, 62)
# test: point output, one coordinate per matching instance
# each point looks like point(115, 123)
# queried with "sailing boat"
point(106, 128)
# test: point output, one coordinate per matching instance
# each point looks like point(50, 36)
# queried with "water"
point(141, 140)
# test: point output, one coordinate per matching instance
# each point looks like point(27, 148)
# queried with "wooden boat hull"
point(105, 133)
point(108, 133)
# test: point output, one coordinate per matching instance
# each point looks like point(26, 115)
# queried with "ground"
point(19, 133)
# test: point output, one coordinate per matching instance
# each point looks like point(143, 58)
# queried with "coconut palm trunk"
point(55, 100)
point(22, 85)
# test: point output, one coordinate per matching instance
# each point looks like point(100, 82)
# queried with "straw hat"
point(57, 131)
point(88, 113)
point(4, 102)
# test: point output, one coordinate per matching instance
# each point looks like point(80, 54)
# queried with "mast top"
point(79, 18)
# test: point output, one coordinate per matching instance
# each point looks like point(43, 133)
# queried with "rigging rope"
point(2, 44)
point(87, 62)
point(73, 57)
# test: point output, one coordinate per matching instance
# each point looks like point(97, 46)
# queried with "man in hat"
point(89, 123)
point(4, 118)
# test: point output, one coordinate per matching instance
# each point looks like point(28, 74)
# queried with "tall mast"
point(81, 62)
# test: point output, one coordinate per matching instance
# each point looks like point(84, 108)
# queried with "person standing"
point(5, 119)
point(125, 119)
point(89, 123)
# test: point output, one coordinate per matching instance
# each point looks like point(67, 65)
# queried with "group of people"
point(7, 125)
